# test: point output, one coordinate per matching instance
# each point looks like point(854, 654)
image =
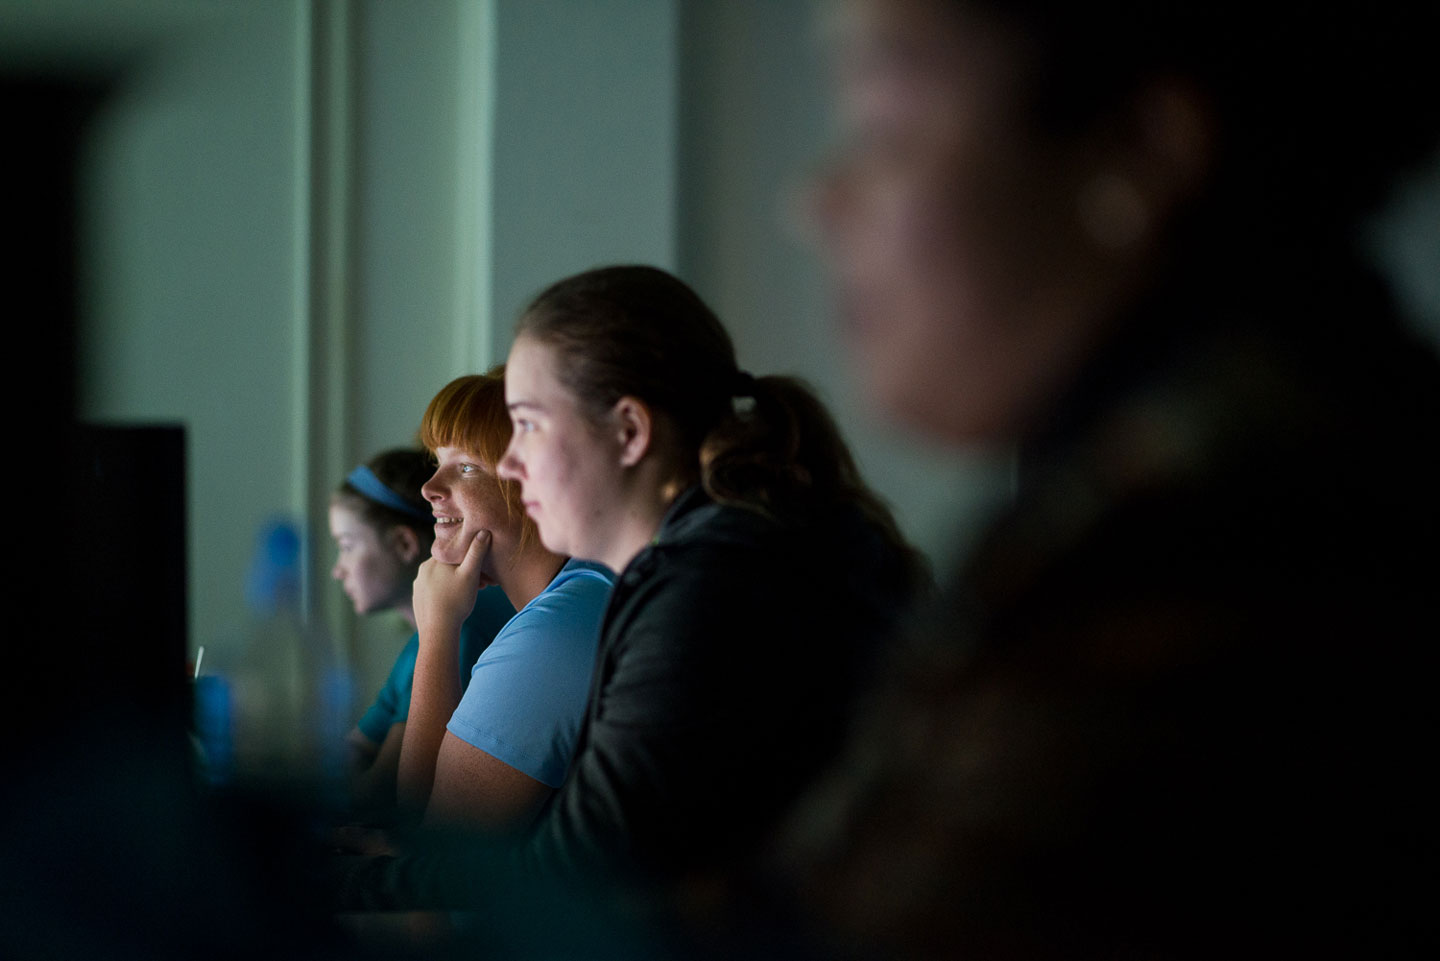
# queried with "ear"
point(1154, 159)
point(404, 542)
point(633, 425)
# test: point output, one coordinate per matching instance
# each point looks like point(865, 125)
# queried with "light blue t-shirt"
point(392, 705)
point(528, 690)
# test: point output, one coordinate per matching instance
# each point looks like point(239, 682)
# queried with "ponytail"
point(781, 453)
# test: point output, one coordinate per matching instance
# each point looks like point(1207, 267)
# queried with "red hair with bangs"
point(469, 413)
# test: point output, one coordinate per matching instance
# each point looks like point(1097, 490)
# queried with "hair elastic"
point(363, 479)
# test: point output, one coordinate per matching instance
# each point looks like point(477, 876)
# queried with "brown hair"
point(470, 413)
point(404, 471)
point(766, 444)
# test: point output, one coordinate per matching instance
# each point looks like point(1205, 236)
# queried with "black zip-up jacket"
point(731, 652)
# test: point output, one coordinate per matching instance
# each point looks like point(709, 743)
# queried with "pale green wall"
point(307, 215)
point(194, 277)
point(585, 143)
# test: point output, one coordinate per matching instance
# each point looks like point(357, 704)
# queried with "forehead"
point(531, 376)
point(911, 27)
point(345, 520)
point(892, 53)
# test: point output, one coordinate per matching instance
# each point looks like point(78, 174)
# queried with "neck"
point(639, 523)
point(528, 573)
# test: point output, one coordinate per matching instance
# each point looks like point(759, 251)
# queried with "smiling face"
point(370, 566)
point(963, 275)
point(466, 499)
point(568, 470)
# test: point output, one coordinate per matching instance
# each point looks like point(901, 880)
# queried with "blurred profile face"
point(567, 470)
point(369, 567)
point(465, 497)
point(949, 225)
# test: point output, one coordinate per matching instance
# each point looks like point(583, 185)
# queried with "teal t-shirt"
point(392, 705)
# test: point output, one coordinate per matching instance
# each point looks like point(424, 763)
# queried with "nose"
point(432, 490)
point(510, 466)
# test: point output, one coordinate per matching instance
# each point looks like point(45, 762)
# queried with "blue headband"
point(363, 479)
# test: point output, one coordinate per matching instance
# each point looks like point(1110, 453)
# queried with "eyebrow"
point(523, 403)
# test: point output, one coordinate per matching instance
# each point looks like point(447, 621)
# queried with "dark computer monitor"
point(130, 556)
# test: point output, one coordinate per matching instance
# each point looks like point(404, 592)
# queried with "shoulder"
point(723, 551)
point(709, 534)
point(734, 574)
point(719, 556)
point(579, 576)
point(567, 612)
point(580, 587)
point(404, 667)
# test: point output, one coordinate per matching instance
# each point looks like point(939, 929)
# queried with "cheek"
point(369, 577)
point(561, 484)
point(497, 514)
point(906, 278)
point(570, 482)
point(951, 250)
point(471, 508)
point(552, 466)
point(476, 507)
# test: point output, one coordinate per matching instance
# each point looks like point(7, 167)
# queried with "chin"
point(445, 553)
point(552, 542)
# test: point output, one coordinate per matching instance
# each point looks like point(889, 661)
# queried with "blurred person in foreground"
point(1178, 702)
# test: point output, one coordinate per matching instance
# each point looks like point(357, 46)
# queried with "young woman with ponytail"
point(757, 572)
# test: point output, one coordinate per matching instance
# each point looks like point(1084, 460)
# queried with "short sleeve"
point(528, 690)
point(392, 704)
